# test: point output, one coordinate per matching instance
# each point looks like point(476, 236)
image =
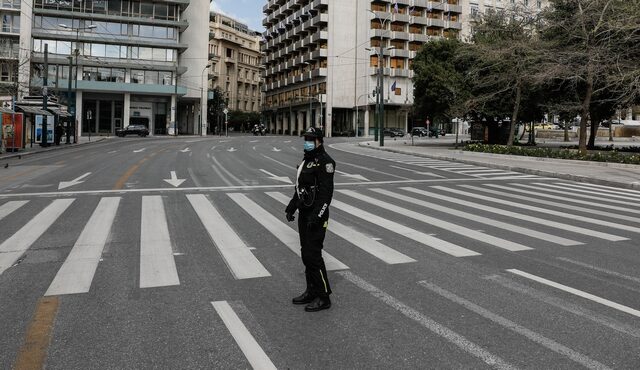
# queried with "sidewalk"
point(600, 173)
point(82, 140)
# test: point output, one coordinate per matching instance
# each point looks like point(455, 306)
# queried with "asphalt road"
point(104, 264)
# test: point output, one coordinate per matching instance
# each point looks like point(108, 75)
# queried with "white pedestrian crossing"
point(10, 207)
point(367, 244)
point(567, 196)
point(157, 264)
point(13, 248)
point(76, 274)
point(603, 198)
point(461, 230)
point(619, 193)
point(280, 230)
point(238, 257)
point(532, 219)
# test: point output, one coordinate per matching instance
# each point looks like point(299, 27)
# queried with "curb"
point(60, 147)
point(528, 171)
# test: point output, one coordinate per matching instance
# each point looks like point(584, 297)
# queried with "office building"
point(138, 62)
point(9, 50)
point(235, 58)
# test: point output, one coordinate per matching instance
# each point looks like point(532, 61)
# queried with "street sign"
point(225, 111)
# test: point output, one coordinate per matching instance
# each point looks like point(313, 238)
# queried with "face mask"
point(309, 146)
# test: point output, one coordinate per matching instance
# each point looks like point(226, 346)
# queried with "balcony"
point(399, 53)
point(418, 37)
point(400, 36)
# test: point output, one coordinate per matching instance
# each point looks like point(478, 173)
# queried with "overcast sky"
point(247, 11)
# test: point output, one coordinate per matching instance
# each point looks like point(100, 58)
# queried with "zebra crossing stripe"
point(556, 204)
point(8, 208)
point(157, 264)
point(280, 230)
point(13, 248)
point(519, 216)
point(238, 257)
point(457, 229)
point(565, 215)
point(367, 244)
point(420, 237)
point(583, 194)
point(606, 192)
point(570, 199)
point(626, 191)
point(77, 272)
point(483, 220)
point(256, 356)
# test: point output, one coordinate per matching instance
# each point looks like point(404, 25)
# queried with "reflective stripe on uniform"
point(324, 282)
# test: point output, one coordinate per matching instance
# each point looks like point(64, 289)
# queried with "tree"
point(502, 57)
point(438, 82)
point(591, 49)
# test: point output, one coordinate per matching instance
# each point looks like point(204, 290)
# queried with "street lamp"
point(203, 102)
point(380, 96)
point(310, 100)
point(75, 52)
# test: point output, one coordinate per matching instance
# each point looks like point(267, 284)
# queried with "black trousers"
point(311, 241)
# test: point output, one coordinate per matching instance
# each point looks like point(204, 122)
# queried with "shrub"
point(612, 155)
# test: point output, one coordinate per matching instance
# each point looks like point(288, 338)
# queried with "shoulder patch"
point(329, 167)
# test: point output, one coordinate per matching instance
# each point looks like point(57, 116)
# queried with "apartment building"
point(138, 62)
point(9, 50)
point(235, 58)
point(473, 8)
point(321, 60)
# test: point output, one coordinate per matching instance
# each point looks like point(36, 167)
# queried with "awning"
point(6, 110)
point(31, 109)
point(59, 112)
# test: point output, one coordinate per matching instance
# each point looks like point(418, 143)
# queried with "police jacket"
point(314, 185)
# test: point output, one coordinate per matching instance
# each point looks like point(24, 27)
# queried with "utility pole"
point(381, 88)
point(44, 95)
point(68, 130)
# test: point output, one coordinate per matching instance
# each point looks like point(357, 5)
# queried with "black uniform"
point(313, 193)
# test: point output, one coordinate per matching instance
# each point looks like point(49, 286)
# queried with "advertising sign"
point(12, 129)
point(50, 124)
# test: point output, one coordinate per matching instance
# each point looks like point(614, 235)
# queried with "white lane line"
point(13, 248)
point(588, 210)
point(566, 306)
point(577, 292)
point(600, 269)
point(238, 257)
point(248, 345)
point(77, 271)
point(232, 176)
point(483, 220)
point(418, 172)
point(407, 232)
point(221, 175)
point(367, 244)
point(519, 216)
point(510, 325)
point(564, 215)
point(280, 230)
point(600, 191)
point(9, 207)
point(583, 194)
point(448, 226)
point(456, 339)
point(157, 264)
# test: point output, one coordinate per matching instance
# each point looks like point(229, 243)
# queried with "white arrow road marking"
point(232, 149)
point(284, 179)
point(76, 181)
point(140, 150)
point(224, 141)
point(418, 172)
point(288, 141)
point(276, 149)
point(254, 141)
point(185, 150)
point(175, 181)
point(113, 151)
point(358, 177)
point(213, 147)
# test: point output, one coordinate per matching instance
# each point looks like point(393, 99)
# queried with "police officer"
point(312, 196)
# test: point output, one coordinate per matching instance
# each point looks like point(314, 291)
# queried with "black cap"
point(313, 133)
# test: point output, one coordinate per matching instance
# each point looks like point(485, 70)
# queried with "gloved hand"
point(290, 216)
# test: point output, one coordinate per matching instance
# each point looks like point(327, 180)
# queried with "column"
point(126, 112)
point(300, 122)
point(309, 117)
point(173, 125)
point(365, 132)
point(79, 115)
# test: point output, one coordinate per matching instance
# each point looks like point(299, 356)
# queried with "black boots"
point(318, 304)
point(303, 298)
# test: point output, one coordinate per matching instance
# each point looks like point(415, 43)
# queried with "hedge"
point(610, 156)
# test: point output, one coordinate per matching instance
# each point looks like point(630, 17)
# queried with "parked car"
point(422, 131)
point(393, 132)
point(139, 130)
